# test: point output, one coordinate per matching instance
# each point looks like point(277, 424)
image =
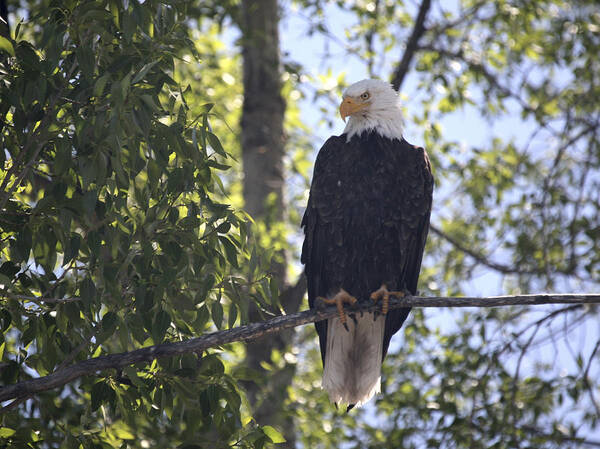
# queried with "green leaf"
point(101, 393)
point(123, 433)
point(85, 57)
point(217, 314)
point(63, 156)
point(218, 166)
point(107, 326)
point(215, 143)
point(150, 102)
point(6, 432)
point(125, 84)
point(161, 323)
point(5, 280)
point(211, 365)
point(230, 250)
point(132, 375)
point(23, 243)
point(7, 46)
point(101, 84)
point(273, 434)
point(232, 315)
point(202, 316)
point(224, 227)
point(142, 73)
point(87, 290)
point(5, 320)
point(72, 249)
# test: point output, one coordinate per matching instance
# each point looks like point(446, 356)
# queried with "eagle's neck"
point(385, 120)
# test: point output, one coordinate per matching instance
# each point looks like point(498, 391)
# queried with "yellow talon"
point(339, 299)
point(384, 294)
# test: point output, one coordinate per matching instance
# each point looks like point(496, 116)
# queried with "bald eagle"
point(365, 228)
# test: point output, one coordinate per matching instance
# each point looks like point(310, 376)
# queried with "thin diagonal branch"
point(586, 379)
point(40, 299)
point(481, 69)
point(256, 330)
point(411, 46)
point(505, 269)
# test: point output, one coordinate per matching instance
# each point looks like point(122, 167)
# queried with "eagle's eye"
point(365, 96)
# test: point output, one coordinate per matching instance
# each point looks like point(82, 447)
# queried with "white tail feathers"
point(352, 372)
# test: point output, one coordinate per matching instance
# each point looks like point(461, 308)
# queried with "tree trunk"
point(262, 152)
point(262, 118)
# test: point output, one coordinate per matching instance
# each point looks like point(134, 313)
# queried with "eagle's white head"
point(372, 105)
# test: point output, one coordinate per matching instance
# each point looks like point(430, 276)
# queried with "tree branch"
point(505, 269)
point(256, 330)
point(411, 46)
point(565, 438)
point(479, 68)
point(40, 299)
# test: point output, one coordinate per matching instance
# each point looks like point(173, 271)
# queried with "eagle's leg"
point(339, 299)
point(384, 294)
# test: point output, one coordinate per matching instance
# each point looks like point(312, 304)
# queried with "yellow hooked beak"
point(350, 106)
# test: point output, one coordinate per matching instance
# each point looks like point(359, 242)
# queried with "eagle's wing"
point(323, 225)
point(415, 200)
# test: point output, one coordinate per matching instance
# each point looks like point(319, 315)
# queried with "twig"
point(15, 403)
point(589, 363)
point(532, 429)
point(586, 379)
point(505, 269)
point(39, 299)
point(411, 46)
point(72, 355)
point(536, 325)
point(483, 70)
point(256, 330)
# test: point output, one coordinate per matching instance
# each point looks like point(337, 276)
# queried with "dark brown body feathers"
point(366, 221)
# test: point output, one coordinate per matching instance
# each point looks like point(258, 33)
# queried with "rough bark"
point(273, 326)
point(262, 117)
point(262, 152)
point(263, 111)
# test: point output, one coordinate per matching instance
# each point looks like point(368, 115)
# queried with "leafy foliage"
point(113, 232)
